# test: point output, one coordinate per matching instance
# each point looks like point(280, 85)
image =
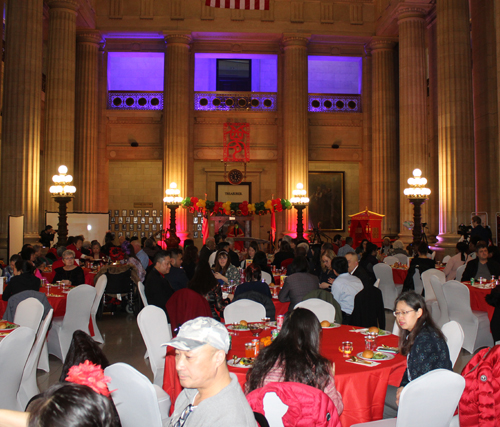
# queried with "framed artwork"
point(199, 227)
point(195, 235)
point(120, 220)
point(200, 214)
point(195, 220)
point(143, 220)
point(146, 227)
point(161, 213)
point(154, 212)
point(131, 227)
point(113, 220)
point(158, 236)
point(158, 220)
point(117, 213)
point(124, 212)
point(131, 212)
point(134, 234)
point(143, 234)
point(139, 227)
point(127, 220)
point(120, 234)
point(150, 220)
point(139, 212)
point(135, 220)
point(161, 226)
point(154, 227)
point(127, 234)
point(202, 220)
point(150, 234)
point(146, 212)
point(117, 227)
point(326, 200)
point(236, 193)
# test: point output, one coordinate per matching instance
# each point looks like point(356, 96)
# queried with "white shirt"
point(344, 289)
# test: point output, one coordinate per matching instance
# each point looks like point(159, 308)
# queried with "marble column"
point(176, 121)
point(365, 172)
point(484, 77)
point(22, 102)
point(412, 106)
point(385, 153)
point(455, 119)
point(60, 93)
point(295, 126)
point(86, 120)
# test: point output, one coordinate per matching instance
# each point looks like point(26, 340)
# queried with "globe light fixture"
point(417, 194)
point(63, 193)
point(299, 201)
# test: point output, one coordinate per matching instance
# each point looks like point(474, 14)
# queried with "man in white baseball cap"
point(211, 396)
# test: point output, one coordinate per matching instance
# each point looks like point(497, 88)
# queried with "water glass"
point(371, 341)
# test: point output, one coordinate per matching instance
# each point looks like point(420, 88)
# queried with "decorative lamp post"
point(62, 193)
point(300, 201)
point(173, 201)
point(417, 194)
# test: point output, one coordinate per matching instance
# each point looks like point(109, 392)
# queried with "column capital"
point(414, 11)
point(381, 43)
point(88, 36)
point(177, 37)
point(295, 39)
point(63, 4)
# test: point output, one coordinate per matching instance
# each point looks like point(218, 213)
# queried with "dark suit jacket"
point(296, 287)
point(365, 278)
point(279, 257)
point(158, 290)
point(23, 282)
point(205, 253)
point(423, 264)
point(235, 259)
point(473, 264)
point(368, 308)
point(177, 278)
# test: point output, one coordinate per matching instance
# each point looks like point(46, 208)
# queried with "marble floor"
point(123, 343)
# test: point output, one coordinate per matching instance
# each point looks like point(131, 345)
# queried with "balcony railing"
point(132, 100)
point(334, 103)
point(239, 101)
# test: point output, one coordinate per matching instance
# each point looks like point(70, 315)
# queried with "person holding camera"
point(47, 235)
point(478, 230)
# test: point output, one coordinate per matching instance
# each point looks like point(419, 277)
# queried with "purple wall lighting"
point(136, 71)
point(264, 71)
point(335, 74)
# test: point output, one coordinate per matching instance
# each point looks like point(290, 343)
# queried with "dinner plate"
point(10, 327)
point(332, 325)
point(387, 356)
point(237, 328)
point(483, 286)
point(381, 332)
point(238, 365)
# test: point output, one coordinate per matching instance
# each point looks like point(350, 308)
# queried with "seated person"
point(260, 258)
point(253, 282)
point(481, 266)
point(421, 341)
point(177, 277)
point(224, 271)
point(298, 342)
point(369, 259)
point(398, 247)
point(347, 247)
point(284, 253)
point(386, 248)
point(299, 284)
point(212, 396)
point(8, 272)
point(456, 261)
point(157, 287)
point(421, 262)
point(345, 287)
point(23, 279)
point(70, 274)
point(95, 250)
point(327, 276)
point(76, 247)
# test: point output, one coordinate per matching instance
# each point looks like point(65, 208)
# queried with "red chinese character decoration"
point(236, 142)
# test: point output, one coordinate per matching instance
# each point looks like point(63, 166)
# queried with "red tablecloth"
point(399, 275)
point(281, 307)
point(89, 276)
point(362, 388)
point(477, 301)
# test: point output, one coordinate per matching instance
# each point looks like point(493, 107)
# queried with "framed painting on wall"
point(326, 201)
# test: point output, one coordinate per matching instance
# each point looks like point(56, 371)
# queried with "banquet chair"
point(14, 351)
point(142, 292)
point(135, 398)
point(266, 277)
point(322, 309)
point(244, 309)
point(186, 304)
point(389, 290)
point(377, 283)
point(29, 313)
point(286, 262)
point(446, 259)
point(390, 260)
point(327, 296)
point(78, 305)
point(460, 272)
point(417, 282)
point(29, 387)
point(475, 324)
point(437, 287)
point(261, 299)
point(435, 393)
point(100, 286)
point(402, 258)
point(430, 298)
point(454, 335)
point(16, 299)
point(155, 331)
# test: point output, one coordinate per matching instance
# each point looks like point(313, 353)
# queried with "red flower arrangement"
point(116, 254)
point(91, 375)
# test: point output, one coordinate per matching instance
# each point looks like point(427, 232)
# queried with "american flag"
point(239, 4)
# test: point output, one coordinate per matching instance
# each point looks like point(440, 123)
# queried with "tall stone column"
point(60, 93)
point(455, 119)
point(176, 121)
point(295, 126)
point(365, 173)
point(86, 120)
point(385, 166)
point(22, 102)
point(412, 106)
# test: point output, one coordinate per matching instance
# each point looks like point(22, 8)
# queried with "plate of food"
point(242, 326)
point(240, 362)
point(325, 324)
point(7, 326)
point(371, 330)
point(375, 355)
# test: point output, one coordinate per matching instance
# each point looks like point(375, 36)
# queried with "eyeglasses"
point(68, 258)
point(401, 313)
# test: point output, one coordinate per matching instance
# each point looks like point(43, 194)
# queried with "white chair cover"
point(389, 291)
point(142, 292)
point(475, 324)
point(446, 259)
point(29, 313)
point(164, 403)
point(429, 400)
point(460, 272)
point(377, 283)
point(244, 309)
point(430, 298)
point(417, 282)
point(134, 396)
point(100, 286)
point(390, 260)
point(322, 309)
point(402, 258)
point(267, 277)
point(78, 305)
point(437, 287)
point(155, 331)
point(29, 387)
point(454, 338)
point(14, 351)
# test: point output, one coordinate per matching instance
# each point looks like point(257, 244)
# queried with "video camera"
point(464, 230)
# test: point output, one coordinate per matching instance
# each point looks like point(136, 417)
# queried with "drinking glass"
point(346, 348)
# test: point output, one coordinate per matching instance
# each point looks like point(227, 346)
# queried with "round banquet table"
point(477, 299)
point(362, 387)
point(281, 307)
point(399, 275)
